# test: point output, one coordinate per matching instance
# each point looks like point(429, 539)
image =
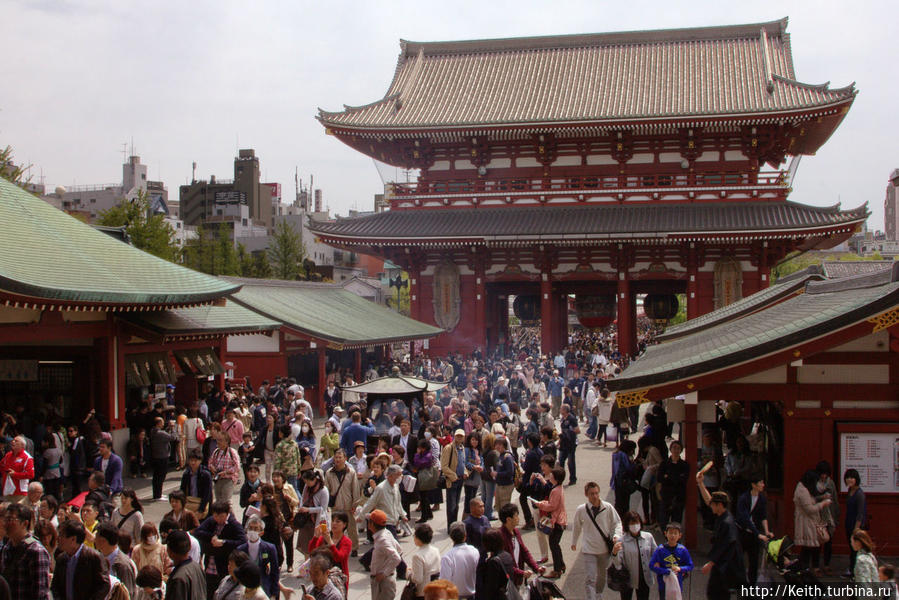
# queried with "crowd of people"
point(495, 449)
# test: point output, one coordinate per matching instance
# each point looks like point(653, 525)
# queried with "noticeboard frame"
point(844, 427)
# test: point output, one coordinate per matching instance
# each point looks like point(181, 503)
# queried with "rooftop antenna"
point(193, 173)
point(132, 145)
point(124, 152)
point(296, 185)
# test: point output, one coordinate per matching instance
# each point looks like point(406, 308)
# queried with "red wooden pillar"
point(357, 365)
point(546, 315)
point(502, 316)
point(107, 399)
point(627, 326)
point(692, 298)
point(691, 455)
point(220, 378)
point(561, 320)
point(322, 381)
point(414, 295)
point(480, 310)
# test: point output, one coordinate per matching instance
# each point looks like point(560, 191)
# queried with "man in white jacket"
point(601, 527)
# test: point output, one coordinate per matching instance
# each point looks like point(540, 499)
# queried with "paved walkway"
point(593, 464)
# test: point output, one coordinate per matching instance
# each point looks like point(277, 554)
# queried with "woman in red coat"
point(335, 540)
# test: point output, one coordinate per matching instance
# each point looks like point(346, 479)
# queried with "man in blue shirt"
point(476, 524)
point(355, 432)
point(556, 383)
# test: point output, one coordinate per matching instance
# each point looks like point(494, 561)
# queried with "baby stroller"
point(541, 588)
point(781, 555)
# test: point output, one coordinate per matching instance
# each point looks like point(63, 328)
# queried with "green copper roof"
point(46, 254)
point(756, 301)
point(198, 320)
point(825, 307)
point(328, 312)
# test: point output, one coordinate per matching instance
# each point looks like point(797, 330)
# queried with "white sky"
point(189, 80)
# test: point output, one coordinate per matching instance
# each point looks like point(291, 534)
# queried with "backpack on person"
point(339, 579)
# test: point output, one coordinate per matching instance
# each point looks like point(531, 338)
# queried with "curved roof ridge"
point(615, 38)
point(322, 113)
point(819, 87)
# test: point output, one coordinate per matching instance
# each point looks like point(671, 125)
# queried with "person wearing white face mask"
point(150, 551)
point(634, 551)
point(263, 554)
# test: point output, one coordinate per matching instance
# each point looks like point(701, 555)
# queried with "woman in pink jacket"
point(555, 507)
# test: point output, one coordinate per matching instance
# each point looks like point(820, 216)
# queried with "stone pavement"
point(593, 464)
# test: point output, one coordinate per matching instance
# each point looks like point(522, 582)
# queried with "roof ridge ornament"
point(766, 53)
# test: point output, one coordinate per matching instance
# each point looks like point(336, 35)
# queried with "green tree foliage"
point(212, 252)
point(681, 315)
point(253, 264)
point(9, 170)
point(149, 232)
point(807, 259)
point(286, 252)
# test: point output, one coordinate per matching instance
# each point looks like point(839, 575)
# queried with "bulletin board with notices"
point(875, 455)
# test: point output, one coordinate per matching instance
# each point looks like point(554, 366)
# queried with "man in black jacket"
point(186, 582)
point(218, 535)
point(406, 439)
point(725, 566)
point(80, 573)
point(673, 474)
point(196, 482)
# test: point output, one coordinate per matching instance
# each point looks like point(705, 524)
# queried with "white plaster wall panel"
point(734, 155)
point(257, 342)
point(843, 374)
point(705, 411)
point(463, 163)
point(8, 314)
point(874, 342)
point(440, 165)
point(603, 267)
point(708, 156)
point(526, 161)
point(74, 316)
point(670, 265)
point(495, 268)
point(601, 159)
point(641, 159)
point(670, 157)
point(745, 266)
point(500, 163)
point(775, 375)
point(567, 161)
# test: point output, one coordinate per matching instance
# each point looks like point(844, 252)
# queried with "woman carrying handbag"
point(633, 552)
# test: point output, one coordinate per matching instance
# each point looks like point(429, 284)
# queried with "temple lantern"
point(527, 308)
point(660, 307)
point(595, 312)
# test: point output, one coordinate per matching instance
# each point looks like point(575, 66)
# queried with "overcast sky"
point(191, 80)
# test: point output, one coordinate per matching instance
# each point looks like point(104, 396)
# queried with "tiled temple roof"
point(593, 222)
point(676, 73)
